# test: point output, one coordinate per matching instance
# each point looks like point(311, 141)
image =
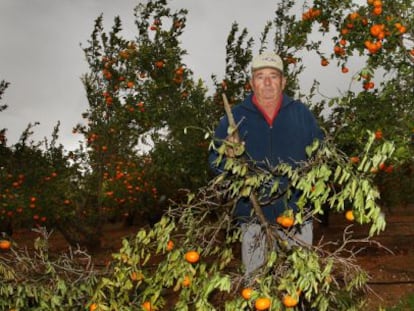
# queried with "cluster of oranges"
point(286, 220)
point(179, 75)
point(377, 6)
point(264, 303)
point(379, 32)
point(367, 84)
point(311, 14)
point(14, 193)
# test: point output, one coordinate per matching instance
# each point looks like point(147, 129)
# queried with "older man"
point(275, 129)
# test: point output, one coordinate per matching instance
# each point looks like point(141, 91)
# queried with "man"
point(274, 129)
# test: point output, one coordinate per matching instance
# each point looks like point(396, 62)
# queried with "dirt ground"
point(391, 274)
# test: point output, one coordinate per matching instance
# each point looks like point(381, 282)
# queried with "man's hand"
point(234, 147)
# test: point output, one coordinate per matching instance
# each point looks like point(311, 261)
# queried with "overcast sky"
point(40, 53)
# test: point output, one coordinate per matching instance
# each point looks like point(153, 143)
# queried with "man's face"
point(267, 84)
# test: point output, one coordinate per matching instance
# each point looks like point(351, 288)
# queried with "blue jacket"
point(293, 129)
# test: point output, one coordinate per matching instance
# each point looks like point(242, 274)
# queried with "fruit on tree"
point(192, 256)
point(349, 215)
point(186, 282)
point(289, 301)
point(147, 306)
point(247, 293)
point(286, 221)
point(5, 244)
point(170, 245)
point(262, 303)
point(354, 159)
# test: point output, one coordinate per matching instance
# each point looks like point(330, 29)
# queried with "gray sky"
point(40, 53)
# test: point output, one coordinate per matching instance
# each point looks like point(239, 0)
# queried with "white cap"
point(267, 60)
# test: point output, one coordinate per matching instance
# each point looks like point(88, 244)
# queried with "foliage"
point(324, 279)
point(37, 281)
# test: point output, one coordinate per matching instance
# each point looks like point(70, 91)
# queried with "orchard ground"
point(391, 274)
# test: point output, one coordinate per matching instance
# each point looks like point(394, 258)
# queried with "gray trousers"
point(253, 246)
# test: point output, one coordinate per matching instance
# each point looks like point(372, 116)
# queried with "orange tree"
point(141, 96)
point(36, 180)
point(32, 180)
point(382, 34)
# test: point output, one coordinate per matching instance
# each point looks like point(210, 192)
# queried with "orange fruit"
point(288, 221)
point(262, 303)
point(377, 3)
point(179, 71)
point(5, 244)
point(247, 293)
point(349, 215)
point(402, 29)
point(279, 220)
point(344, 31)
point(389, 169)
point(159, 64)
point(186, 282)
point(136, 276)
point(398, 25)
point(354, 160)
point(324, 62)
point(376, 29)
point(147, 306)
point(93, 307)
point(353, 15)
point(192, 256)
point(285, 221)
point(289, 301)
point(377, 10)
point(378, 134)
point(338, 49)
point(344, 69)
point(170, 245)
point(374, 170)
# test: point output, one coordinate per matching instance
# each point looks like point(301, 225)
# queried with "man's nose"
point(267, 80)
